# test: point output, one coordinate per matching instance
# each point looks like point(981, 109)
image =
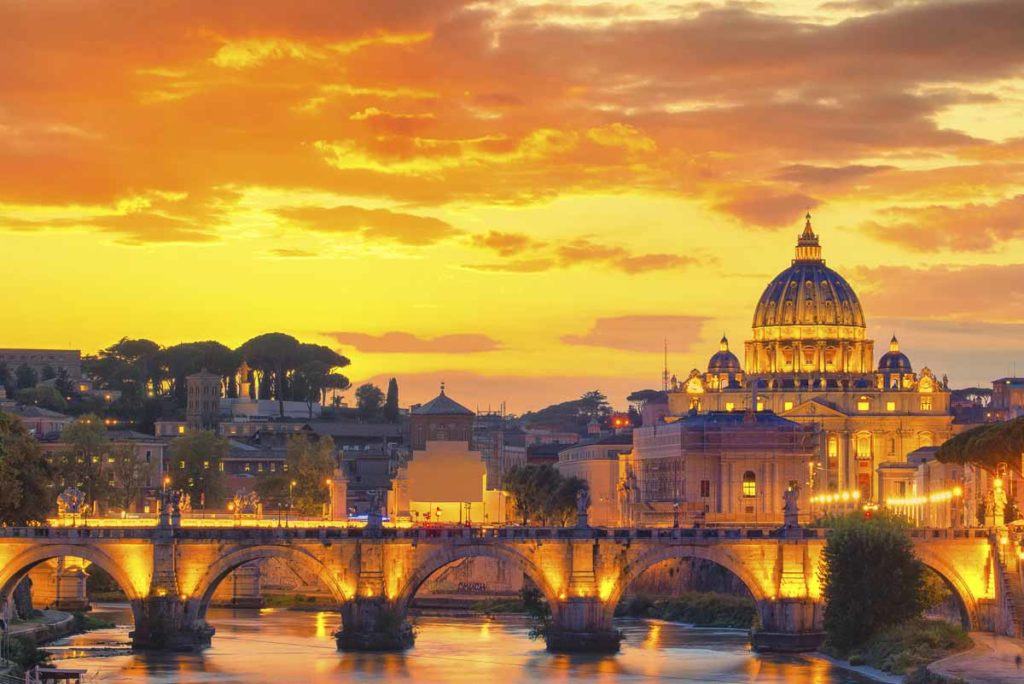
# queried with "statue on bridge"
point(791, 507)
point(582, 505)
point(70, 502)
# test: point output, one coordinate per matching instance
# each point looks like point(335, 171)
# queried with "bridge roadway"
point(169, 573)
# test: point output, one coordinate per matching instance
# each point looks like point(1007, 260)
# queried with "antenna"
point(664, 372)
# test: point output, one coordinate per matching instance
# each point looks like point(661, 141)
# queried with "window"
point(787, 406)
point(890, 406)
point(148, 455)
point(926, 403)
point(248, 467)
point(705, 488)
point(749, 484)
point(181, 465)
point(863, 404)
point(730, 406)
point(220, 466)
point(206, 465)
point(760, 404)
point(181, 429)
point(863, 446)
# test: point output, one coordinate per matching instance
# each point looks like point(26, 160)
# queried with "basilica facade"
point(809, 360)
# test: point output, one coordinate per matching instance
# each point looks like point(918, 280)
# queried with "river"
point(276, 645)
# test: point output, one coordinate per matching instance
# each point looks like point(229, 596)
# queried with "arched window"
point(749, 484)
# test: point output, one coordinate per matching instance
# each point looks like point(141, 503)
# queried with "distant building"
point(1008, 398)
point(721, 466)
point(445, 480)
point(69, 360)
point(202, 407)
point(44, 424)
point(809, 360)
point(597, 462)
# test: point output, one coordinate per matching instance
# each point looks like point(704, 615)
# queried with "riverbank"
point(991, 660)
point(47, 626)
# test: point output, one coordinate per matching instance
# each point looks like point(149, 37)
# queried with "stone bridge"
point(169, 574)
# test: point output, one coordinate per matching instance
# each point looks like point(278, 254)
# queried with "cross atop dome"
point(807, 246)
point(723, 345)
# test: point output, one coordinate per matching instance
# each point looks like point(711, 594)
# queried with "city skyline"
point(522, 199)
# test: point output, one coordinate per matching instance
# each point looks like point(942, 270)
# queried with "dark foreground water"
point(277, 646)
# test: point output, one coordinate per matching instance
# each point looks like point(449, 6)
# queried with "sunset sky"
point(521, 198)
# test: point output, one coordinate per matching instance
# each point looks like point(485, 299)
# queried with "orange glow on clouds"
point(551, 188)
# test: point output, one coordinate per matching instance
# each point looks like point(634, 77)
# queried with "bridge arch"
point(955, 581)
point(18, 567)
point(239, 556)
point(656, 555)
point(446, 556)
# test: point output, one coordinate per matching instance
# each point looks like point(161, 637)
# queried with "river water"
point(276, 645)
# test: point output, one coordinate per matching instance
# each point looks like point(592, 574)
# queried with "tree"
point(44, 396)
point(311, 381)
point(986, 446)
point(572, 415)
point(130, 366)
point(542, 495)
point(129, 476)
point(25, 376)
point(181, 360)
point(6, 378)
point(25, 477)
point(195, 460)
point(275, 354)
point(871, 577)
point(63, 383)
point(81, 462)
point(369, 400)
point(310, 464)
point(391, 402)
point(48, 373)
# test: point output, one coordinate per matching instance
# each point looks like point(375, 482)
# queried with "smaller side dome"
point(724, 361)
point(894, 361)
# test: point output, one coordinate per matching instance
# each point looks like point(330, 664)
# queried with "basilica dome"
point(808, 293)
point(809, 320)
point(724, 361)
point(894, 361)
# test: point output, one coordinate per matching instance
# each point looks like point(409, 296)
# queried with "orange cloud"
point(407, 343)
point(642, 333)
point(968, 227)
point(409, 229)
point(766, 207)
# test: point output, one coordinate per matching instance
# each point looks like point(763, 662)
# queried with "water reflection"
point(280, 645)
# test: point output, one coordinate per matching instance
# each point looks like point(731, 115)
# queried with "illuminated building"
point(445, 479)
point(809, 360)
point(597, 462)
point(721, 466)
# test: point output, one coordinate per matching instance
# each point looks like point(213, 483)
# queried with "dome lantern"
point(808, 248)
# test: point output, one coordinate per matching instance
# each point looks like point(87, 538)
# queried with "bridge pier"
point(373, 623)
point(165, 623)
point(581, 625)
point(793, 625)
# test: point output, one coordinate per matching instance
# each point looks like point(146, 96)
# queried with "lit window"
point(220, 466)
point(926, 403)
point(760, 405)
point(730, 406)
point(206, 465)
point(890, 406)
point(248, 467)
point(863, 404)
point(181, 465)
point(749, 484)
point(181, 429)
point(787, 406)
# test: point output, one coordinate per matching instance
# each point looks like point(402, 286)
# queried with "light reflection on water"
point(284, 646)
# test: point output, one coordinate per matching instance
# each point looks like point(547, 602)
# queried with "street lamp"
point(291, 501)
